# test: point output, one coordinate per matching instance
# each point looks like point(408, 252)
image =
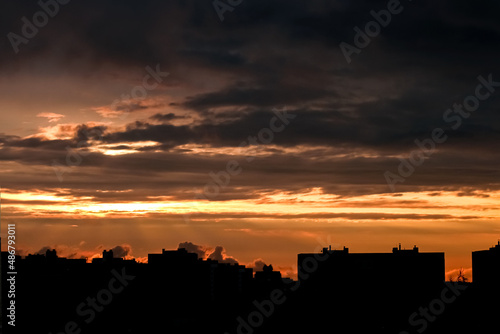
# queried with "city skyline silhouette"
point(249, 166)
point(388, 290)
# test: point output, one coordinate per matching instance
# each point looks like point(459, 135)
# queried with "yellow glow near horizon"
point(109, 149)
point(291, 216)
point(270, 150)
point(35, 196)
point(314, 201)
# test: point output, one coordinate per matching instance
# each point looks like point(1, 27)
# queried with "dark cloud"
point(43, 250)
point(219, 254)
point(353, 120)
point(257, 97)
point(167, 117)
point(192, 248)
point(121, 251)
point(85, 133)
point(258, 265)
point(130, 107)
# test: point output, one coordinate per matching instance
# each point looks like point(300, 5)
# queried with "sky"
point(250, 132)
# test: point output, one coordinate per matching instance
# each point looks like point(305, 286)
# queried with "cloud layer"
point(81, 135)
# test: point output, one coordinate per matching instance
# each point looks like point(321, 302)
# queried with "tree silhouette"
point(461, 276)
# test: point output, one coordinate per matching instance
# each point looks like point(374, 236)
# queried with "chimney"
point(399, 246)
point(330, 248)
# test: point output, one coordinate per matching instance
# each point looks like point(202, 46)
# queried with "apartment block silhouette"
point(486, 267)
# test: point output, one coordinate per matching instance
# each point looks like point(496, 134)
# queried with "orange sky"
point(272, 226)
point(152, 125)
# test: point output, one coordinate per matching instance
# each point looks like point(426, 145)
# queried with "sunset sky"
point(116, 116)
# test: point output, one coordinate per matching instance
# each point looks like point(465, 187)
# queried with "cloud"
point(362, 117)
point(354, 121)
point(167, 117)
point(192, 248)
point(77, 252)
point(203, 252)
point(70, 252)
point(43, 250)
point(122, 251)
point(107, 112)
point(257, 265)
point(219, 254)
point(121, 107)
point(258, 97)
point(50, 116)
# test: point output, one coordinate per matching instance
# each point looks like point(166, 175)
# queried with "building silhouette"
point(382, 287)
point(267, 280)
point(486, 267)
point(108, 259)
point(411, 268)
